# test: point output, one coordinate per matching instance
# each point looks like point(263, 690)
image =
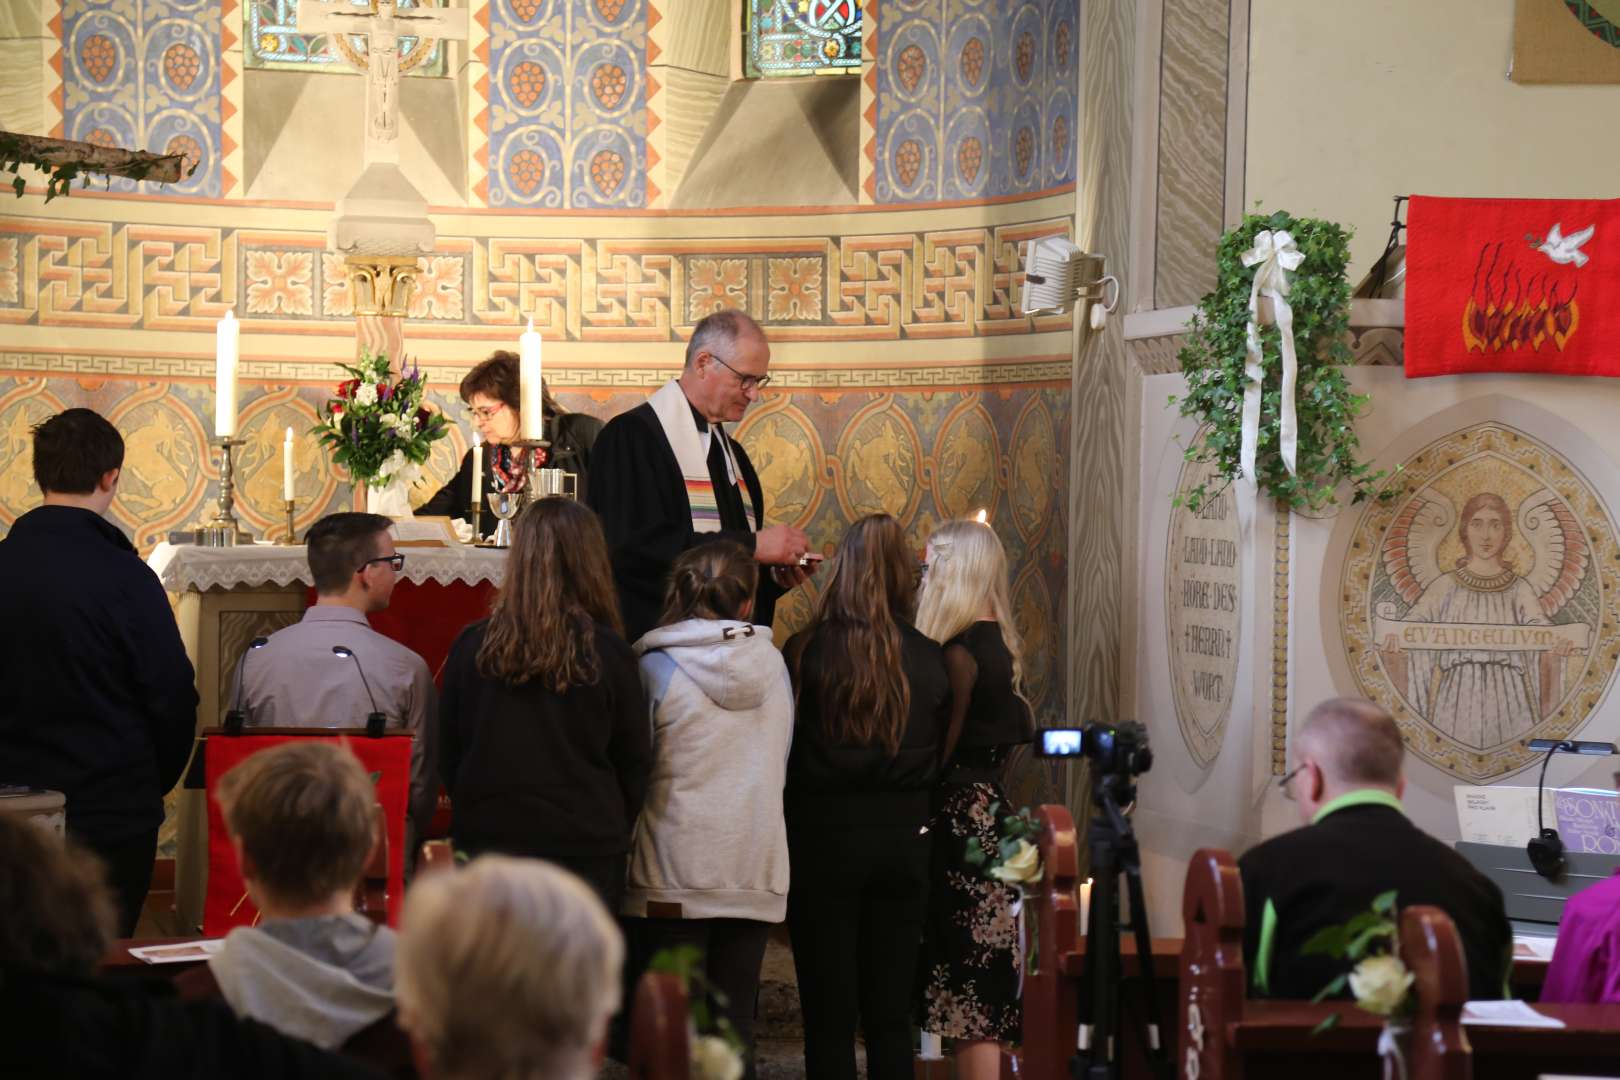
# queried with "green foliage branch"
point(63, 162)
point(1214, 358)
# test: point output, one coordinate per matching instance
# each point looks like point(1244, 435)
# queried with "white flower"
point(391, 465)
point(714, 1059)
point(365, 394)
point(1380, 984)
point(1023, 866)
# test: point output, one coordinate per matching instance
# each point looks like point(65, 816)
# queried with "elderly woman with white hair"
point(508, 968)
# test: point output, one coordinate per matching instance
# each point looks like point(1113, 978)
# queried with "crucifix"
point(381, 225)
point(382, 24)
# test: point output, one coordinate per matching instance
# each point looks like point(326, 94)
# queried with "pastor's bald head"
point(1354, 742)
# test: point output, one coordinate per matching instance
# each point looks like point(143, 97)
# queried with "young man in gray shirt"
point(297, 680)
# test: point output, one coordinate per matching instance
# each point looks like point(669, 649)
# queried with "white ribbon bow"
point(1389, 1048)
point(1275, 255)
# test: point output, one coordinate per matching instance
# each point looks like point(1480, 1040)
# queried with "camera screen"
point(1062, 742)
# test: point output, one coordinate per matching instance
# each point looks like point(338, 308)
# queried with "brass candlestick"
point(222, 530)
point(291, 539)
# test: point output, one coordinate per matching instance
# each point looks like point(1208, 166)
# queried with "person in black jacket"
point(545, 742)
point(873, 705)
point(670, 477)
point(492, 392)
point(1357, 844)
point(100, 701)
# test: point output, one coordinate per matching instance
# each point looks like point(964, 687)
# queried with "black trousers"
point(855, 916)
point(129, 862)
point(733, 950)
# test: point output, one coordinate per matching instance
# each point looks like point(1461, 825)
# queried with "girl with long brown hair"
point(545, 745)
point(709, 861)
point(873, 699)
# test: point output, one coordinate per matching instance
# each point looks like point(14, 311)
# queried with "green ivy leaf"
point(1384, 903)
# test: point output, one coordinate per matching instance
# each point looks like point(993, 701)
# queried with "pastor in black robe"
point(638, 491)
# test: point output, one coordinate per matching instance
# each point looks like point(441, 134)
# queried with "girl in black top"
point(545, 744)
point(872, 699)
point(491, 391)
point(970, 953)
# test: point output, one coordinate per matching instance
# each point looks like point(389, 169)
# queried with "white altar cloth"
point(181, 567)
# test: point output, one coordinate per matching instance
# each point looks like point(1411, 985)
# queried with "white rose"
point(366, 394)
point(392, 464)
point(714, 1059)
point(1380, 984)
point(1023, 866)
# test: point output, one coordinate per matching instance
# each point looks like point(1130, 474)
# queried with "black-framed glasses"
point(1288, 792)
point(747, 382)
point(397, 561)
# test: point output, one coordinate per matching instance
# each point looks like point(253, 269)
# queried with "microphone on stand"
point(376, 721)
point(1546, 850)
point(236, 717)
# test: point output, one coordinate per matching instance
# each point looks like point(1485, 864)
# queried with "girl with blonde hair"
point(970, 948)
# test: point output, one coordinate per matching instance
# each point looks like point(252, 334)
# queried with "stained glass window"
point(273, 41)
point(803, 37)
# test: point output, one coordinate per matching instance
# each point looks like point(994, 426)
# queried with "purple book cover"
point(1588, 820)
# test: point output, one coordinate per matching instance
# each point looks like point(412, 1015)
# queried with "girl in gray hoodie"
point(709, 859)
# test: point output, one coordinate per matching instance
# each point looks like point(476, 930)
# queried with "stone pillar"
point(382, 293)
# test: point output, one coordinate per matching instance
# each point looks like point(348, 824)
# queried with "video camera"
point(1114, 750)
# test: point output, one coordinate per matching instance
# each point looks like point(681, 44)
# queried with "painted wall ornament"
point(1480, 606)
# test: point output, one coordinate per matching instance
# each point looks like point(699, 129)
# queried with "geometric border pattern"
point(946, 283)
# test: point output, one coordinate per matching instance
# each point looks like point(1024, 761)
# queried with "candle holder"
point(475, 514)
point(291, 539)
point(222, 530)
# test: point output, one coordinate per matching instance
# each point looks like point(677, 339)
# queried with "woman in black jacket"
point(492, 393)
point(545, 743)
point(873, 703)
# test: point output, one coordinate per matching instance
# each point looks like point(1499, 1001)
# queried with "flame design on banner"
point(1511, 309)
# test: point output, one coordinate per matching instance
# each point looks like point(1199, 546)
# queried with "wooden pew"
point(658, 1043)
point(1216, 1031)
point(1226, 1036)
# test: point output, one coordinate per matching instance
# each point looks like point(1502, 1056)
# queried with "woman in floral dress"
point(970, 953)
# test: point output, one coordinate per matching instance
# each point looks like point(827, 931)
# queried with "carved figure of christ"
point(382, 25)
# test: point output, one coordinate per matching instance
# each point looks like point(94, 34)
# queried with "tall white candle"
point(1085, 906)
point(227, 336)
point(534, 420)
point(288, 486)
point(478, 471)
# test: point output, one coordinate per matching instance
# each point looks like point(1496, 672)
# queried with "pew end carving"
point(658, 1029)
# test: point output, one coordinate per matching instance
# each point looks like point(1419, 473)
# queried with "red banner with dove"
point(1512, 285)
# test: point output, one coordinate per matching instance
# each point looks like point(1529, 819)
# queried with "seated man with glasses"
point(296, 680)
point(668, 476)
point(1356, 842)
point(492, 392)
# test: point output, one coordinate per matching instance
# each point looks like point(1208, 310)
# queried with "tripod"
point(1114, 851)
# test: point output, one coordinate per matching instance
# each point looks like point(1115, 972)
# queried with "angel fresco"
point(1483, 649)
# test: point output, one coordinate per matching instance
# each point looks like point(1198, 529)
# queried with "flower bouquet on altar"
point(381, 430)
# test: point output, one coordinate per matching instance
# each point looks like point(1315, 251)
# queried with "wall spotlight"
point(1058, 275)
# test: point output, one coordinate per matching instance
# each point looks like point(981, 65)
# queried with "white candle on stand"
point(227, 336)
point(1085, 906)
point(534, 419)
point(478, 470)
point(288, 486)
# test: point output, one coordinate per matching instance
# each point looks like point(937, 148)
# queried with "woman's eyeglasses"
point(486, 414)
